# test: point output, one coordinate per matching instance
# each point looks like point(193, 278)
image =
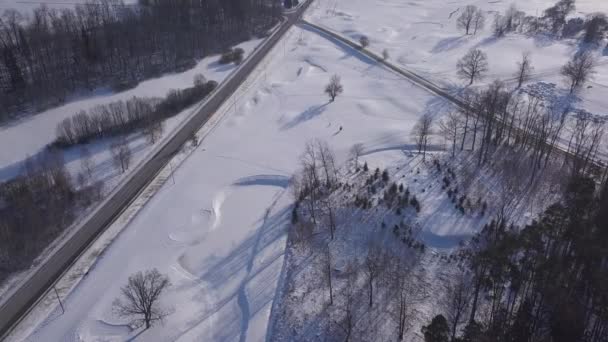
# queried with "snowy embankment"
point(422, 36)
point(219, 231)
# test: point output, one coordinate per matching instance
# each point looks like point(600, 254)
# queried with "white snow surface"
point(219, 232)
point(422, 36)
point(29, 136)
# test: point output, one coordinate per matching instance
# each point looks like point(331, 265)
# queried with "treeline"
point(57, 53)
point(545, 282)
point(123, 117)
point(554, 21)
point(36, 207)
point(525, 122)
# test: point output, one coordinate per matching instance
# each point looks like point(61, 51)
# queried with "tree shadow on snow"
point(306, 115)
point(250, 296)
point(448, 44)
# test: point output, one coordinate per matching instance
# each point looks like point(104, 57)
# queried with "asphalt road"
point(17, 302)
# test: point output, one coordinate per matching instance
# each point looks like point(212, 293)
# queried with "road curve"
point(18, 301)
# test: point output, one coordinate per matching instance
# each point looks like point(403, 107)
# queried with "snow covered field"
point(30, 135)
point(422, 36)
point(219, 231)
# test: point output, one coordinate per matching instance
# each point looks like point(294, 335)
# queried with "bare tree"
point(121, 154)
point(473, 65)
point(374, 265)
point(141, 297)
point(347, 321)
point(403, 293)
point(355, 153)
point(449, 127)
point(457, 301)
point(578, 70)
point(154, 131)
point(471, 17)
point(479, 21)
point(86, 163)
point(385, 54)
point(334, 88)
point(421, 132)
point(364, 41)
point(199, 80)
point(330, 214)
point(595, 28)
point(524, 69)
point(328, 163)
point(327, 274)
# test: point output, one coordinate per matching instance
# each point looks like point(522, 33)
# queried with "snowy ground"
point(30, 135)
point(422, 36)
point(219, 231)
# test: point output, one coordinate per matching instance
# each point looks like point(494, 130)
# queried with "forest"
point(57, 54)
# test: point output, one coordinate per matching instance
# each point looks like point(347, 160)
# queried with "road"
point(18, 301)
point(596, 165)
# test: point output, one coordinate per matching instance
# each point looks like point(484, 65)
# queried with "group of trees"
point(36, 206)
point(122, 117)
point(579, 69)
point(471, 19)
point(58, 52)
point(545, 281)
point(524, 122)
point(377, 280)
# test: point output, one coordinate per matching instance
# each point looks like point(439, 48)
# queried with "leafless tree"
point(473, 65)
point(513, 18)
point(154, 131)
point(355, 153)
point(524, 69)
point(403, 292)
point(449, 127)
point(199, 80)
point(334, 88)
point(385, 54)
point(364, 41)
point(327, 274)
point(86, 163)
point(121, 154)
point(471, 18)
point(578, 70)
point(595, 28)
point(457, 301)
point(327, 162)
point(140, 298)
point(467, 113)
point(421, 132)
point(330, 214)
point(374, 265)
point(479, 21)
point(500, 25)
point(557, 14)
point(347, 320)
